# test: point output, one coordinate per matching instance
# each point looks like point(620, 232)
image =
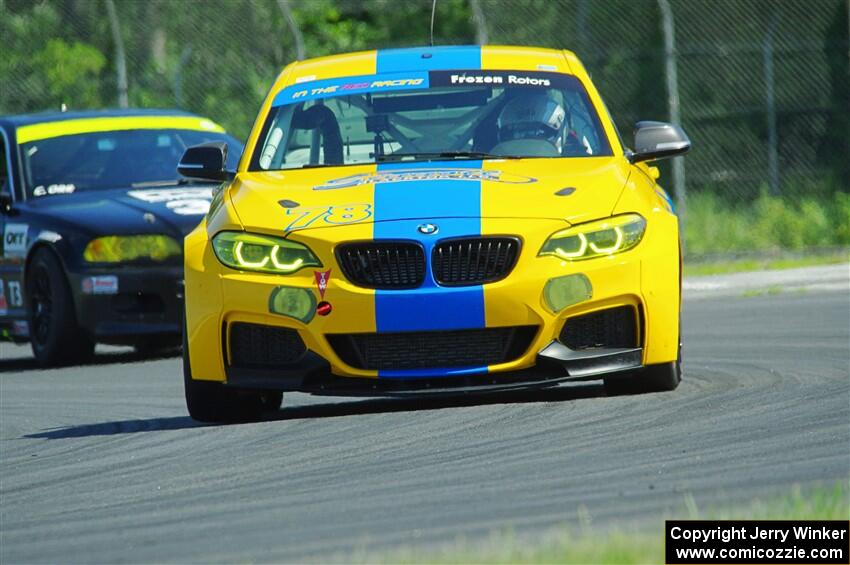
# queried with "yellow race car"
point(431, 220)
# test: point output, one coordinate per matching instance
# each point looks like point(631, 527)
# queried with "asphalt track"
point(101, 464)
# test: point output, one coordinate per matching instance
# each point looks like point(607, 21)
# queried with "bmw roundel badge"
point(427, 229)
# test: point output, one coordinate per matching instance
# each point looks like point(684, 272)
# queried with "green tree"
point(70, 72)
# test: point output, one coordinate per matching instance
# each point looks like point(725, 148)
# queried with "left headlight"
point(127, 248)
point(596, 239)
point(255, 252)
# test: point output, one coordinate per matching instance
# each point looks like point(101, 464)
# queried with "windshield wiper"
point(443, 155)
point(317, 165)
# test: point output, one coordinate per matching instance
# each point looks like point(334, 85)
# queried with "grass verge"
point(764, 264)
point(635, 544)
point(768, 224)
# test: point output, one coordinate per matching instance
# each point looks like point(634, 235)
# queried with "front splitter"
point(556, 364)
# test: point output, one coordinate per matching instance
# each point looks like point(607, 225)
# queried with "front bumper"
point(138, 302)
point(553, 367)
point(645, 279)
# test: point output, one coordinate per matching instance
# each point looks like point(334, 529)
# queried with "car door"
point(12, 246)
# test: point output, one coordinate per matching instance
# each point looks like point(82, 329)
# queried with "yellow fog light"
point(125, 248)
point(566, 291)
point(296, 303)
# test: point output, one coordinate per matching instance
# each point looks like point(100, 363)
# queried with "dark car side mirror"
point(6, 202)
point(205, 161)
point(658, 140)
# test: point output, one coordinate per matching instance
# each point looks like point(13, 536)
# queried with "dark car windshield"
point(428, 116)
point(112, 159)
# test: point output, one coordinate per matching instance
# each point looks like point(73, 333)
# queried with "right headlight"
point(254, 252)
point(596, 239)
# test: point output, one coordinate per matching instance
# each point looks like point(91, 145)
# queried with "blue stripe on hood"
point(455, 207)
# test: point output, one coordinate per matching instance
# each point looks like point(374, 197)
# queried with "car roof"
point(443, 57)
point(20, 120)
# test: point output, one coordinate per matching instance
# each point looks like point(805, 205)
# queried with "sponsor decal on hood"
point(425, 174)
point(52, 189)
point(181, 201)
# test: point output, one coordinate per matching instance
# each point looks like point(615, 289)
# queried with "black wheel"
point(55, 336)
point(652, 378)
point(213, 402)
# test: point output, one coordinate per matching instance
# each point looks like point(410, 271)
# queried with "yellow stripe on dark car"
point(46, 130)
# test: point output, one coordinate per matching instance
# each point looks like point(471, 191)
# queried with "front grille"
point(253, 346)
point(432, 350)
point(614, 327)
point(475, 260)
point(379, 264)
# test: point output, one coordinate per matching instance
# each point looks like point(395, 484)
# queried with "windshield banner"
point(499, 78)
point(350, 85)
point(387, 82)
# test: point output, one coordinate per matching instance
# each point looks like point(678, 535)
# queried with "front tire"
point(663, 377)
point(214, 403)
point(55, 337)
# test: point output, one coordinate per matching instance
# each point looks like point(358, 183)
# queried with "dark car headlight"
point(128, 248)
point(596, 239)
point(254, 252)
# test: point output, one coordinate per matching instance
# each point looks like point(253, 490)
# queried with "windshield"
point(427, 116)
point(112, 159)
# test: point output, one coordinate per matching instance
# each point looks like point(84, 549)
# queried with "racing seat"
point(322, 119)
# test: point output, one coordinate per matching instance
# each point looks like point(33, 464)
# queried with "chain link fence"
point(754, 78)
point(763, 86)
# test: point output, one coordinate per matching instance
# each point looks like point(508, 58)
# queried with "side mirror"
point(658, 140)
point(205, 161)
point(6, 202)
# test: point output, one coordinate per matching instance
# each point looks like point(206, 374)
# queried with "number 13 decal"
point(15, 296)
point(342, 214)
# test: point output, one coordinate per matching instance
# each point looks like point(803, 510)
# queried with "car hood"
point(169, 210)
point(573, 190)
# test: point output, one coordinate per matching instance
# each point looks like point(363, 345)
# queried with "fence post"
point(581, 27)
point(120, 58)
point(300, 52)
point(178, 76)
point(770, 101)
point(671, 73)
point(481, 35)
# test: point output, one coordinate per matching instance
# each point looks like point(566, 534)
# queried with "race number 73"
point(342, 214)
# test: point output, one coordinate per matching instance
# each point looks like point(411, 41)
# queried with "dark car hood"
point(169, 210)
